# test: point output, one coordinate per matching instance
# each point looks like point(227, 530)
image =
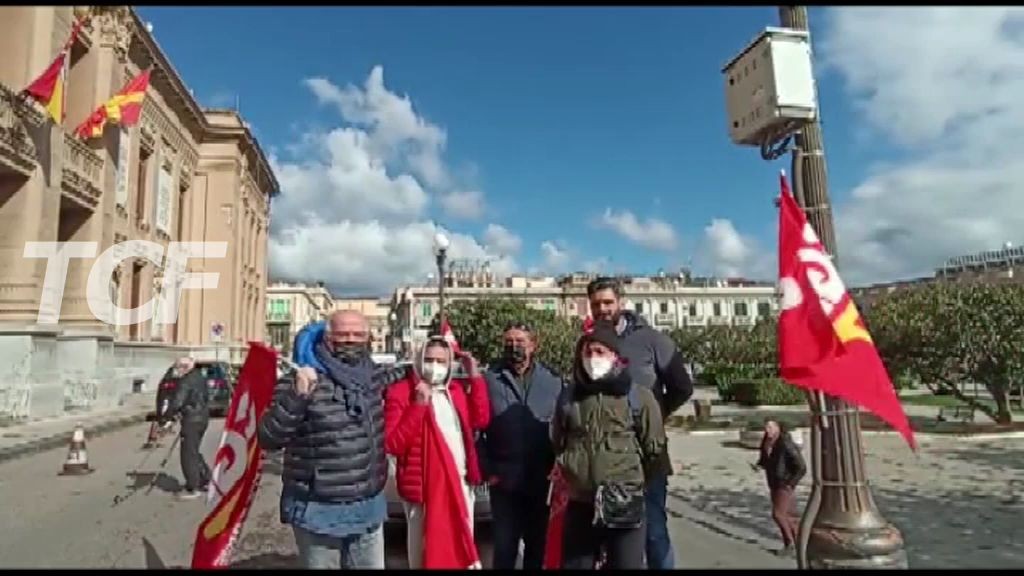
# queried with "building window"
point(716, 309)
point(140, 185)
point(639, 307)
point(693, 309)
point(664, 307)
point(764, 309)
point(739, 309)
point(425, 310)
point(549, 304)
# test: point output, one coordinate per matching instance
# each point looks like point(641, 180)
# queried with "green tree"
point(945, 335)
point(479, 324)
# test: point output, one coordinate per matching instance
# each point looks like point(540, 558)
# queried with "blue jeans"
point(356, 552)
point(660, 555)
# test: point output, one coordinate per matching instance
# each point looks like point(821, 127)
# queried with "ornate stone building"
point(183, 173)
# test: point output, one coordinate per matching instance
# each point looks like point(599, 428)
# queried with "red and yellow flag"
point(236, 469)
point(48, 88)
point(823, 343)
point(123, 108)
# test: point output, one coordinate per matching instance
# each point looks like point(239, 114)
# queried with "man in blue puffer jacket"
point(329, 419)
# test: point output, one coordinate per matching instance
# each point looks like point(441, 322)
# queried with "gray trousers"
point(193, 466)
point(357, 552)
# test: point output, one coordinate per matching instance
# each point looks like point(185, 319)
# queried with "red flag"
point(447, 524)
point(823, 343)
point(123, 108)
point(449, 336)
point(48, 88)
point(558, 501)
point(236, 468)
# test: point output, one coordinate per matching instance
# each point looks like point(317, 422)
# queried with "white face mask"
point(598, 366)
point(434, 372)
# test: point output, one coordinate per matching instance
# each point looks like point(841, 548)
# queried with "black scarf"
point(351, 381)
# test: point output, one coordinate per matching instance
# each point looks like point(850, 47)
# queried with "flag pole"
point(842, 527)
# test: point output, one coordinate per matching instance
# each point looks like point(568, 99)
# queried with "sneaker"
point(189, 494)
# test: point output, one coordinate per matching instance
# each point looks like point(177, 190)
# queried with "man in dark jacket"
point(654, 361)
point(190, 400)
point(329, 418)
point(515, 451)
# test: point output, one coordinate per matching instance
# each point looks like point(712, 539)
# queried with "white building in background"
point(666, 302)
point(292, 306)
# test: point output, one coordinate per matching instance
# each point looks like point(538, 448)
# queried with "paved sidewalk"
point(35, 436)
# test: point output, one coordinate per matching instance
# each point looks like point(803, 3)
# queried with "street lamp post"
point(441, 244)
point(841, 527)
point(393, 333)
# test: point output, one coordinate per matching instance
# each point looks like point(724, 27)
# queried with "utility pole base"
point(840, 548)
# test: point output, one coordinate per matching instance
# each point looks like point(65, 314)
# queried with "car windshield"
point(213, 371)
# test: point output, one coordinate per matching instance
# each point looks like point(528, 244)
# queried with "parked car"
point(218, 379)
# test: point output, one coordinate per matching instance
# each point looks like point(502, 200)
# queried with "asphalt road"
point(56, 521)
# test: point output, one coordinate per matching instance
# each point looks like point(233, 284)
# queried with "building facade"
point(664, 302)
point(990, 267)
point(183, 173)
point(290, 306)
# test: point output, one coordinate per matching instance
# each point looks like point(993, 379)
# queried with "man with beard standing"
point(329, 418)
point(516, 453)
point(653, 361)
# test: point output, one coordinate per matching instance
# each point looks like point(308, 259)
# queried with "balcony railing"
point(743, 320)
point(279, 316)
point(665, 319)
point(83, 172)
point(16, 148)
point(696, 320)
point(719, 320)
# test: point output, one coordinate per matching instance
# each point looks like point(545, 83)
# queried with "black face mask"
point(515, 354)
point(350, 353)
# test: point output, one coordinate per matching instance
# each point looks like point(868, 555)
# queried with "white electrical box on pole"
point(769, 87)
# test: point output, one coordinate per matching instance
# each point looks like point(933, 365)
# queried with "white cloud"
point(500, 240)
point(945, 84)
point(730, 254)
point(652, 233)
point(354, 201)
point(464, 204)
point(369, 257)
point(555, 258)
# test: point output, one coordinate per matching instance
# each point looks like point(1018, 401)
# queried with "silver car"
point(396, 513)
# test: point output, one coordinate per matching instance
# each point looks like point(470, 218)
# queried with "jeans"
point(193, 466)
point(356, 552)
point(581, 541)
point(660, 555)
point(518, 516)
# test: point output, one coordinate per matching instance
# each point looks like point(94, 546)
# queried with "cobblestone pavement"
point(958, 502)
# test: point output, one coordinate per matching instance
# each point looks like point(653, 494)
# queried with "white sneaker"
point(189, 494)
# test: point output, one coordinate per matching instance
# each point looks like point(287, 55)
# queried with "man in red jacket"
point(430, 422)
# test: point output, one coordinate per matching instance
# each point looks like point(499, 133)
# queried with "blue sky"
point(550, 117)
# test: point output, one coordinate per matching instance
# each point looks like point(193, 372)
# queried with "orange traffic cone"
point(153, 439)
point(77, 462)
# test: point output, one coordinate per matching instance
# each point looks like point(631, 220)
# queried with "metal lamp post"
point(441, 244)
point(392, 332)
point(842, 527)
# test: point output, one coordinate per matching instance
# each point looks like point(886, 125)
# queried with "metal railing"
point(83, 170)
point(16, 115)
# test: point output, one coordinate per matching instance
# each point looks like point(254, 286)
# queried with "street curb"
point(922, 435)
point(57, 440)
